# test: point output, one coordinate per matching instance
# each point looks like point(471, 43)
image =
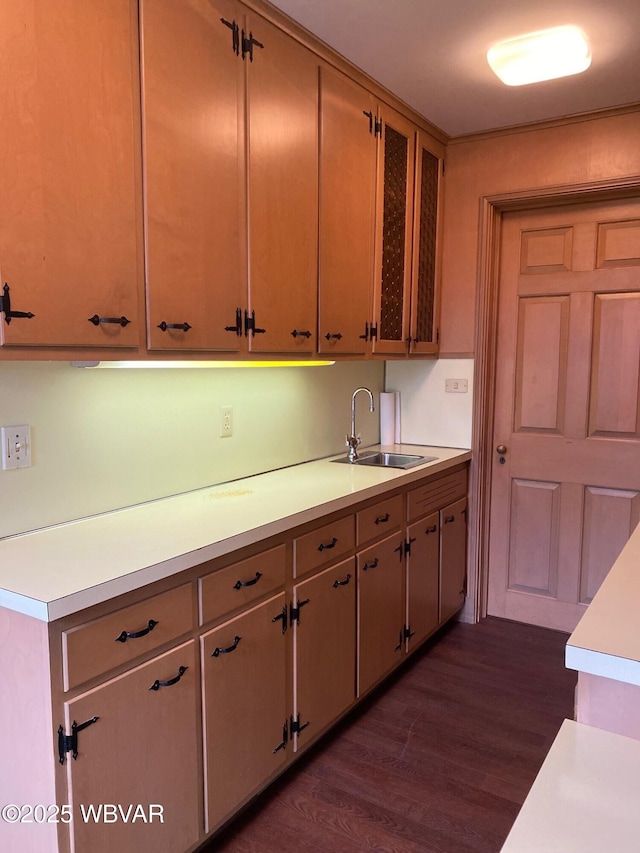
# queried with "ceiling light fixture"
point(543, 55)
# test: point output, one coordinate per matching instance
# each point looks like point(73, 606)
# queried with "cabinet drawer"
point(241, 583)
point(436, 494)
point(379, 520)
point(329, 542)
point(100, 645)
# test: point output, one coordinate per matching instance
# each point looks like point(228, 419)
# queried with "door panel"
point(564, 494)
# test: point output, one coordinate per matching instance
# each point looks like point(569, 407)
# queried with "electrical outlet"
point(16, 446)
point(226, 421)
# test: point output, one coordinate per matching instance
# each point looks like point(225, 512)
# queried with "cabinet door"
point(70, 238)
point(381, 609)
point(426, 267)
point(347, 211)
point(143, 750)
point(283, 191)
point(394, 233)
point(193, 114)
point(453, 557)
point(244, 706)
point(324, 648)
point(423, 564)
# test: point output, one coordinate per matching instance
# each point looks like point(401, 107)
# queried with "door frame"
point(492, 210)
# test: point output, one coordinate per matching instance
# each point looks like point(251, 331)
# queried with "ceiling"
point(432, 54)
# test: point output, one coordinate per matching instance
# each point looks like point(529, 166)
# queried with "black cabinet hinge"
point(247, 45)
point(294, 726)
point(69, 743)
point(373, 331)
point(377, 127)
point(5, 307)
point(235, 35)
point(250, 324)
point(294, 612)
point(407, 544)
point(408, 633)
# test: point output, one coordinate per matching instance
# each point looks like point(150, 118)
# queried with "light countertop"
point(606, 641)
point(62, 569)
point(585, 797)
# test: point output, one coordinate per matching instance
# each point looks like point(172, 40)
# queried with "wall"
point(106, 439)
point(581, 152)
point(428, 414)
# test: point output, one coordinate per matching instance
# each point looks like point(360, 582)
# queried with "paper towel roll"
point(389, 417)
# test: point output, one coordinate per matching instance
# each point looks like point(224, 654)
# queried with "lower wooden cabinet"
point(139, 750)
point(324, 648)
point(423, 579)
point(245, 709)
point(453, 557)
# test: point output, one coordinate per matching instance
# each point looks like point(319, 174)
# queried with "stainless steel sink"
point(388, 460)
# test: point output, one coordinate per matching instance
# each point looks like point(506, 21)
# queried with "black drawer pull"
point(219, 651)
point(158, 684)
point(382, 519)
point(240, 584)
point(331, 544)
point(134, 635)
point(449, 519)
point(432, 529)
point(342, 583)
point(96, 320)
point(297, 334)
point(368, 566)
point(336, 337)
point(183, 326)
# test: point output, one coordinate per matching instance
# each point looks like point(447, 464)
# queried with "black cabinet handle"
point(431, 529)
point(5, 307)
point(238, 326)
point(134, 635)
point(365, 337)
point(285, 738)
point(219, 651)
point(382, 519)
point(342, 583)
point(335, 337)
point(399, 646)
point(97, 320)
point(235, 30)
point(368, 566)
point(182, 326)
point(449, 519)
point(158, 684)
point(324, 547)
point(297, 334)
point(401, 550)
point(240, 584)
point(282, 616)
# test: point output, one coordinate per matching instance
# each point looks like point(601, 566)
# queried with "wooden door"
point(347, 214)
point(143, 750)
point(566, 489)
point(324, 642)
point(283, 191)
point(70, 237)
point(244, 707)
point(453, 557)
point(381, 610)
point(423, 564)
point(394, 217)
point(193, 114)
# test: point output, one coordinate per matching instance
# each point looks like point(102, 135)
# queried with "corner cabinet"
point(153, 719)
point(70, 237)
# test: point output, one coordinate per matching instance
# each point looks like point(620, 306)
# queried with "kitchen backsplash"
point(107, 439)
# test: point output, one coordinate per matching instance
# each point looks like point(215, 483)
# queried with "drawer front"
point(241, 583)
point(325, 544)
point(98, 646)
point(436, 494)
point(379, 520)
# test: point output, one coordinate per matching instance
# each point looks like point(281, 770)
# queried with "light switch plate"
point(456, 386)
point(16, 446)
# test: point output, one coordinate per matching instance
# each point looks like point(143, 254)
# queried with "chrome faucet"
point(353, 440)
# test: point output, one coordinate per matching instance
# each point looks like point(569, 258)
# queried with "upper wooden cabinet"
point(347, 214)
point(193, 118)
point(379, 190)
point(69, 236)
point(282, 147)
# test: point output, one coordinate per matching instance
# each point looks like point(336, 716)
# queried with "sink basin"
point(388, 460)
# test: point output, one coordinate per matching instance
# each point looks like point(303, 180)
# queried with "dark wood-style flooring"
point(438, 759)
